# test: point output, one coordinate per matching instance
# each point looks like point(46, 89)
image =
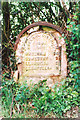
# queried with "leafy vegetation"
point(73, 46)
point(23, 100)
point(39, 101)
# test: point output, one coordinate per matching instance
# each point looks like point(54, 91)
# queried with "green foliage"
point(40, 99)
point(21, 14)
point(73, 45)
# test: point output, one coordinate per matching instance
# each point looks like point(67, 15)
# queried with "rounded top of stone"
point(40, 23)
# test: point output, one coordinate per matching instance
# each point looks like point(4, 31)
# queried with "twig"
point(40, 10)
point(22, 18)
point(32, 13)
point(8, 39)
point(51, 11)
point(11, 110)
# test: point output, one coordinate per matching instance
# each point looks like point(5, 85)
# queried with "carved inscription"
point(41, 55)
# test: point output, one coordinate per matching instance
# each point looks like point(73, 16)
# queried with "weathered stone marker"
point(41, 54)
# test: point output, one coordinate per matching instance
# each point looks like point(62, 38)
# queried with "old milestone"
point(40, 54)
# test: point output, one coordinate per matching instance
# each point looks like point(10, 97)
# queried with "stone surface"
point(41, 55)
point(40, 50)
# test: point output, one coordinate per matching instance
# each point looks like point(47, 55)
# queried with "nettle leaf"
point(75, 17)
point(68, 107)
point(68, 20)
point(18, 97)
point(74, 94)
point(75, 102)
point(72, 23)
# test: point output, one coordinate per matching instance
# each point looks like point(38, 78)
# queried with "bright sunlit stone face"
point(41, 55)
